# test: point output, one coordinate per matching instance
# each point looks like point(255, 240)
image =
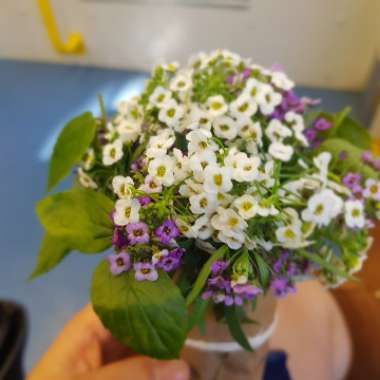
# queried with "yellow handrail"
point(74, 43)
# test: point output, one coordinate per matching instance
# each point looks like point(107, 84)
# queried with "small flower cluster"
point(218, 154)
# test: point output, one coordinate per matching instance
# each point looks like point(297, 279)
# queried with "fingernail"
point(171, 370)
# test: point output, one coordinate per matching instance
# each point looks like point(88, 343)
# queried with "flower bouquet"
point(217, 189)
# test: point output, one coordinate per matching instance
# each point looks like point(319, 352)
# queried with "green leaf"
point(150, 317)
point(203, 275)
point(263, 270)
point(234, 325)
point(70, 147)
point(80, 216)
point(52, 251)
point(353, 132)
point(197, 313)
point(352, 162)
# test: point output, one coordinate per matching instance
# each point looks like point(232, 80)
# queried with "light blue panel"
point(35, 101)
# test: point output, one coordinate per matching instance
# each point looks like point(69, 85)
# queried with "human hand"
point(85, 350)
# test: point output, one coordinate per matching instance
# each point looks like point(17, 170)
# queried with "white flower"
point(202, 228)
point(266, 208)
point(250, 130)
point(243, 106)
point(372, 189)
point(162, 169)
point(354, 214)
point(122, 186)
point(276, 131)
point(265, 177)
point(246, 206)
point(281, 151)
point(185, 228)
point(199, 162)
point(160, 96)
point(253, 88)
point(228, 221)
point(216, 106)
point(217, 179)
point(128, 131)
point(234, 241)
point(244, 168)
point(190, 187)
point(230, 226)
point(88, 159)
point(268, 99)
point(322, 163)
point(85, 180)
point(181, 168)
point(159, 144)
point(225, 127)
point(295, 120)
point(290, 236)
point(181, 82)
point(110, 133)
point(198, 118)
point(112, 152)
point(200, 141)
point(322, 207)
point(281, 81)
point(203, 203)
point(151, 185)
point(171, 113)
point(130, 110)
point(126, 211)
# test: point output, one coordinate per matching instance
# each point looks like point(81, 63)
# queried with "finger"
point(140, 368)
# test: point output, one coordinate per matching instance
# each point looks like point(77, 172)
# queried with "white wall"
point(320, 42)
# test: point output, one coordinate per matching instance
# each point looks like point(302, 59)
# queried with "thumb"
point(140, 368)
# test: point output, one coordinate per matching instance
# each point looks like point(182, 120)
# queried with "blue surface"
point(35, 101)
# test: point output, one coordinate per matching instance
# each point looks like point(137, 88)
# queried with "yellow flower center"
point(127, 212)
point(161, 170)
point(246, 206)
point(216, 106)
point(232, 222)
point(218, 179)
point(319, 209)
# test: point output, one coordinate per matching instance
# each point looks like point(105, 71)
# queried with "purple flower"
point(138, 233)
point(119, 263)
point(278, 264)
point(367, 157)
point(322, 124)
point(171, 261)
point(144, 200)
point(246, 73)
point(167, 231)
point(376, 164)
point(145, 271)
point(342, 155)
point(118, 238)
point(230, 79)
point(281, 287)
point(351, 180)
point(218, 266)
point(310, 134)
point(137, 165)
point(247, 291)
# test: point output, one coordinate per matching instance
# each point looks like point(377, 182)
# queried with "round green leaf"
point(149, 317)
point(81, 217)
